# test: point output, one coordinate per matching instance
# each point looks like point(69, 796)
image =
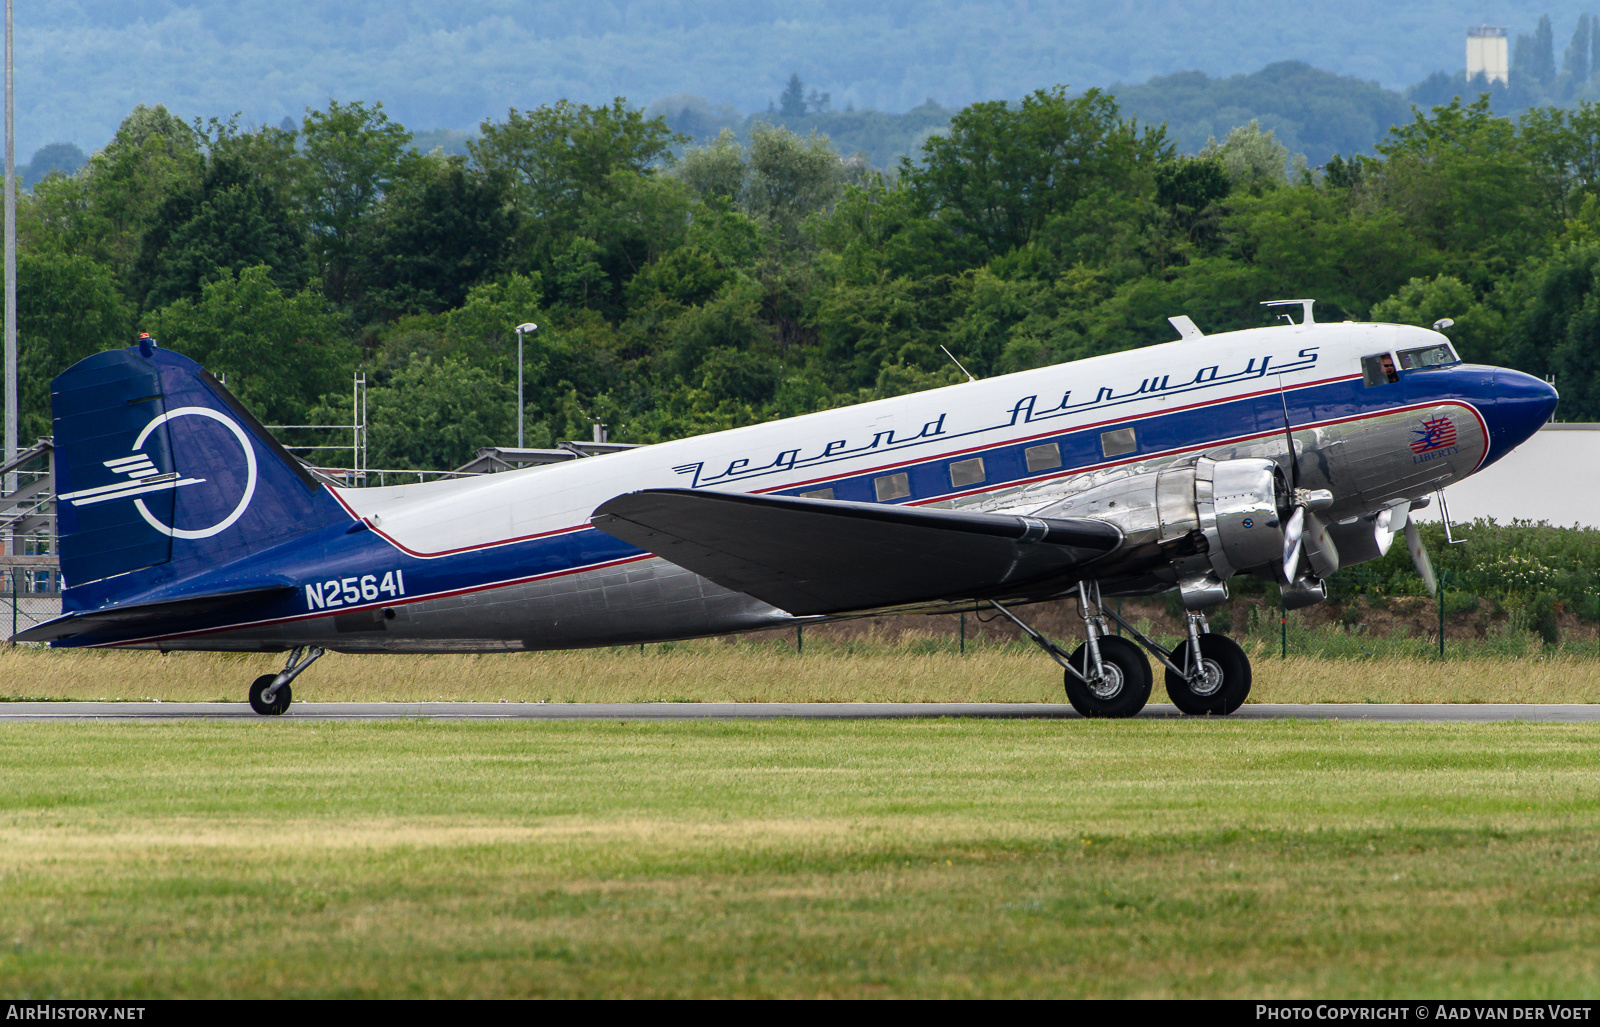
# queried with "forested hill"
point(740, 283)
point(83, 64)
point(1314, 113)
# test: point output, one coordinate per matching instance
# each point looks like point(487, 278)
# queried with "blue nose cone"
point(1522, 404)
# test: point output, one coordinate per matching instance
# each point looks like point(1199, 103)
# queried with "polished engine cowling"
point(1211, 519)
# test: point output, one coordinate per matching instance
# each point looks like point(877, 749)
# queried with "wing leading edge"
point(810, 556)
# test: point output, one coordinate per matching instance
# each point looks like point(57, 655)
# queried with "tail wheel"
point(1223, 680)
point(280, 699)
point(1123, 688)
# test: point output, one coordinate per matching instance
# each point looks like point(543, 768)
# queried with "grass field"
point(928, 670)
point(939, 858)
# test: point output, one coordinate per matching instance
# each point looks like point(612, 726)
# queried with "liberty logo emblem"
point(140, 476)
point(1435, 433)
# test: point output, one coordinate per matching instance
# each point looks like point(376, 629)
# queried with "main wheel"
point(1125, 686)
point(280, 699)
point(1223, 681)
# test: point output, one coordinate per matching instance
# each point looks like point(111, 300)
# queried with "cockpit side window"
point(1428, 356)
point(1378, 369)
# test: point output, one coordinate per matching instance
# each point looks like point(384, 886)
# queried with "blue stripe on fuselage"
point(1158, 432)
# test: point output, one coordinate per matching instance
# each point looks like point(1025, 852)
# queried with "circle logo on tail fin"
point(250, 474)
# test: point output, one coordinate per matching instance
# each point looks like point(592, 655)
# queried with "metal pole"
point(1283, 624)
point(963, 634)
point(11, 270)
point(799, 638)
point(1439, 601)
point(521, 330)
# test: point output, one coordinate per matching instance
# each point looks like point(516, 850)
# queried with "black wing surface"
point(814, 556)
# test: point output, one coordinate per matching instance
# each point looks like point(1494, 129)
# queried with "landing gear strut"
point(1108, 676)
point(270, 694)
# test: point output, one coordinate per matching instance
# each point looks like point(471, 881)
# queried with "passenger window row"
point(965, 473)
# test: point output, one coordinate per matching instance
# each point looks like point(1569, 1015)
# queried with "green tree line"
point(688, 288)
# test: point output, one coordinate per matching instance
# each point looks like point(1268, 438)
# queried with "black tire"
point(280, 699)
point(1215, 698)
point(1126, 664)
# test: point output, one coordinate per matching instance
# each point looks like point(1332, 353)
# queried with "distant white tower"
point(1486, 53)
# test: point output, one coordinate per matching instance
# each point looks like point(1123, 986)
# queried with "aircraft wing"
point(174, 612)
point(812, 556)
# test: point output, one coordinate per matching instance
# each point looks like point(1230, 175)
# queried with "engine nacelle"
point(1212, 518)
point(1240, 505)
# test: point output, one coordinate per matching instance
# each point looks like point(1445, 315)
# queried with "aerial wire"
point(947, 353)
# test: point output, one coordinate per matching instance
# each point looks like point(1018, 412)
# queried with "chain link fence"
point(1452, 624)
point(21, 610)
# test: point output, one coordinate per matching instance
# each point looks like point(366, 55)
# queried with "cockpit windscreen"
point(1428, 356)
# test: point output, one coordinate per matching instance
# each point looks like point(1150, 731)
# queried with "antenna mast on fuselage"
point(1305, 306)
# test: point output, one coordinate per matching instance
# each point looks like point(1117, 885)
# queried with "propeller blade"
point(1288, 435)
point(1293, 533)
point(1419, 556)
point(1320, 548)
point(1387, 524)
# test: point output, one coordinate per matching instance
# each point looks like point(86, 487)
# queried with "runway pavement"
point(1399, 712)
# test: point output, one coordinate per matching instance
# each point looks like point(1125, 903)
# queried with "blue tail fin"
point(161, 473)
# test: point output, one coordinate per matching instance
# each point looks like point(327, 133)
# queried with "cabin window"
point(1118, 443)
point(967, 472)
point(1378, 369)
point(1427, 356)
point(817, 494)
point(1042, 458)
point(892, 486)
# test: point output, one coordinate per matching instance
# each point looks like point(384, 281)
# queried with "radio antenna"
point(956, 362)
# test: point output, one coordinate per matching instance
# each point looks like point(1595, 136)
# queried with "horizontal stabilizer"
point(813, 556)
point(139, 616)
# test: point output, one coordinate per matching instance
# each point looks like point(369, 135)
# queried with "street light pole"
point(11, 264)
point(521, 330)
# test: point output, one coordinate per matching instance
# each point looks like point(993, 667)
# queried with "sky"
point(81, 65)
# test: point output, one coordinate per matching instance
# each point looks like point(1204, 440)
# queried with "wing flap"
point(811, 556)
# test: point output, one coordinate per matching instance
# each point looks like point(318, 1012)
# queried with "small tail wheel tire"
point(1121, 691)
point(1222, 684)
point(280, 699)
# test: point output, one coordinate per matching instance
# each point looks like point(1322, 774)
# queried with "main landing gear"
point(1108, 676)
point(1213, 675)
point(270, 694)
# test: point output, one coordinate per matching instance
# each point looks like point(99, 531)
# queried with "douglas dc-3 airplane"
point(1284, 452)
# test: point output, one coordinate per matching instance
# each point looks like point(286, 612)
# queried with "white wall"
point(1554, 476)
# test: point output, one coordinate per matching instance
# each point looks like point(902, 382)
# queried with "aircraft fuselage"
point(510, 561)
